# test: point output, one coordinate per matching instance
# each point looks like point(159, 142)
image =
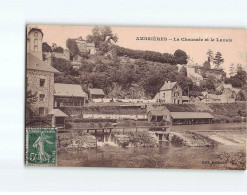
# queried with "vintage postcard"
point(136, 97)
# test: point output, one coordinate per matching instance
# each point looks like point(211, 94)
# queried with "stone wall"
point(33, 84)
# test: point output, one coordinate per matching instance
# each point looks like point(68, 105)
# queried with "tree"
point(102, 34)
point(210, 55)
point(102, 37)
point(239, 67)
point(72, 46)
point(242, 76)
point(207, 65)
point(31, 97)
point(210, 82)
point(242, 95)
point(54, 45)
point(46, 47)
point(58, 49)
point(180, 56)
point(232, 69)
point(183, 71)
point(185, 83)
point(218, 60)
point(238, 80)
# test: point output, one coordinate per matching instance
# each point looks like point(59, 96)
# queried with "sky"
point(232, 52)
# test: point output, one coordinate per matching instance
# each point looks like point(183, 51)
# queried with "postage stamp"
point(41, 146)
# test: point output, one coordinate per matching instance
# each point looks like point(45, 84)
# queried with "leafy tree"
point(218, 60)
point(46, 47)
point(72, 46)
point(207, 65)
point(102, 37)
point(180, 56)
point(238, 80)
point(102, 34)
point(69, 74)
point(183, 71)
point(210, 82)
point(58, 49)
point(146, 55)
point(31, 97)
point(242, 95)
point(54, 46)
point(242, 76)
point(185, 83)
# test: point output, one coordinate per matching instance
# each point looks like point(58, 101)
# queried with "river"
point(166, 155)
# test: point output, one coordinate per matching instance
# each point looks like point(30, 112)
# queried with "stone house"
point(84, 46)
point(170, 92)
point(66, 55)
point(40, 79)
point(39, 74)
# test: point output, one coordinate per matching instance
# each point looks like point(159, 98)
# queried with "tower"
point(34, 41)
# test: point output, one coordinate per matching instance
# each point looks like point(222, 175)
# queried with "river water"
point(167, 155)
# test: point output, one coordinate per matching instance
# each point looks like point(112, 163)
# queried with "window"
point(35, 34)
point(164, 95)
point(35, 48)
point(41, 111)
point(42, 82)
point(41, 97)
point(35, 41)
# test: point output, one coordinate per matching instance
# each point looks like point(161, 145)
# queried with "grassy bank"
point(127, 110)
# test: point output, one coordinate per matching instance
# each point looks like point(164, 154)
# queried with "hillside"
point(120, 77)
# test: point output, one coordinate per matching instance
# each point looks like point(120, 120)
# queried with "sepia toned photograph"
point(135, 97)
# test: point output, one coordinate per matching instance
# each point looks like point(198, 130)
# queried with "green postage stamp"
point(41, 146)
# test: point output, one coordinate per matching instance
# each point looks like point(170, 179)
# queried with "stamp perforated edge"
point(26, 147)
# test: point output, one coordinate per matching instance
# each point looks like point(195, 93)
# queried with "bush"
point(237, 119)
point(146, 55)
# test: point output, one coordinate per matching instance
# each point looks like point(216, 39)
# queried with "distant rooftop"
point(168, 86)
point(68, 90)
point(190, 115)
point(95, 91)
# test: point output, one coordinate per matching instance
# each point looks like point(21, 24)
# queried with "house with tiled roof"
point(68, 95)
point(170, 92)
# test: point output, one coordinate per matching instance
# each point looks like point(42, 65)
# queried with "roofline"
point(28, 68)
point(36, 29)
